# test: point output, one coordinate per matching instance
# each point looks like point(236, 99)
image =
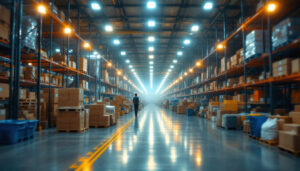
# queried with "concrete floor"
point(157, 140)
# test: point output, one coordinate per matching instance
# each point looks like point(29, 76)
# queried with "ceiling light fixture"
point(108, 28)
point(195, 28)
point(151, 49)
point(208, 6)
point(175, 61)
point(151, 38)
point(151, 56)
point(151, 23)
point(187, 41)
point(116, 42)
point(123, 53)
point(179, 53)
point(151, 4)
point(95, 6)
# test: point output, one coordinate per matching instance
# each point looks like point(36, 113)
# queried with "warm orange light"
point(271, 7)
point(42, 9)
point(68, 30)
point(109, 64)
point(185, 74)
point(86, 45)
point(198, 64)
point(119, 73)
point(191, 70)
point(220, 46)
point(180, 77)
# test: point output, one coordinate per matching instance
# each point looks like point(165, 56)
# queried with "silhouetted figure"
point(136, 102)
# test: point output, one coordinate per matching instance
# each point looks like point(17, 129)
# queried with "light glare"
point(208, 6)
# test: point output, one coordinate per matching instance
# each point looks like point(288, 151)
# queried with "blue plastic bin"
point(189, 112)
point(255, 125)
point(30, 128)
point(12, 131)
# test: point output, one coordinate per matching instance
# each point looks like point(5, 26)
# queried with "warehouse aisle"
point(157, 140)
point(162, 140)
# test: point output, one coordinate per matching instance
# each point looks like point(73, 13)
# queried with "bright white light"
point(95, 6)
point(132, 70)
point(151, 38)
point(172, 66)
point(151, 62)
point(179, 53)
point(116, 42)
point(187, 41)
point(151, 67)
point(151, 23)
point(127, 61)
point(169, 70)
point(195, 28)
point(108, 28)
point(151, 4)
point(151, 49)
point(95, 52)
point(123, 53)
point(151, 56)
point(57, 50)
point(71, 51)
point(175, 61)
point(130, 66)
point(208, 6)
point(98, 56)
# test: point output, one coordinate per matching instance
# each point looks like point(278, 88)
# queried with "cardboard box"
point(229, 105)
point(289, 141)
point(59, 58)
point(293, 128)
point(70, 121)
point(2, 114)
point(86, 118)
point(295, 117)
point(220, 113)
point(4, 91)
point(296, 66)
point(31, 95)
point(295, 95)
point(297, 108)
point(54, 95)
point(70, 97)
point(83, 64)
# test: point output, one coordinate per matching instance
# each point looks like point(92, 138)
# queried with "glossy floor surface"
point(157, 140)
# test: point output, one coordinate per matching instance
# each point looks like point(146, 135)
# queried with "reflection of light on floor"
point(185, 142)
point(87, 167)
point(151, 163)
point(198, 158)
point(110, 147)
point(130, 144)
point(191, 149)
point(173, 154)
point(125, 157)
point(119, 144)
point(151, 133)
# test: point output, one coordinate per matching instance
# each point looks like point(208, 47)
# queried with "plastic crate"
point(255, 125)
point(12, 131)
point(30, 128)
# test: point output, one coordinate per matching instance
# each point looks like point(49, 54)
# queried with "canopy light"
point(179, 53)
point(151, 56)
point(151, 62)
point(98, 56)
point(172, 66)
point(109, 64)
point(198, 64)
point(123, 53)
point(195, 28)
point(95, 6)
point(208, 5)
point(127, 61)
point(187, 41)
point(86, 45)
point(151, 38)
point(130, 66)
point(42, 9)
point(132, 70)
point(151, 49)
point(175, 61)
point(119, 73)
point(220, 46)
point(191, 70)
point(185, 73)
point(57, 50)
point(68, 30)
point(151, 23)
point(180, 77)
point(151, 67)
point(108, 28)
point(151, 4)
point(271, 7)
point(116, 42)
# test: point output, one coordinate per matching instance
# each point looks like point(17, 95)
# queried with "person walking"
point(136, 102)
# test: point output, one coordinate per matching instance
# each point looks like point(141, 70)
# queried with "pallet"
point(4, 40)
point(253, 137)
point(27, 100)
point(98, 126)
point(252, 57)
point(78, 131)
point(295, 153)
point(269, 142)
point(4, 98)
point(72, 109)
point(83, 72)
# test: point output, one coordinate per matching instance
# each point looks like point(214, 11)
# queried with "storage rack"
point(44, 64)
point(262, 62)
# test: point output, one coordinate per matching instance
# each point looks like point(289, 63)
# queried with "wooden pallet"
point(269, 142)
point(296, 153)
point(71, 108)
point(98, 126)
point(4, 40)
point(27, 100)
point(4, 98)
point(78, 131)
point(253, 137)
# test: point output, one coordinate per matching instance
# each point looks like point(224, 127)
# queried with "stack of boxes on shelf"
point(254, 44)
point(61, 59)
point(71, 115)
point(27, 105)
point(53, 104)
point(289, 137)
point(282, 67)
point(4, 23)
point(83, 65)
point(98, 116)
point(212, 110)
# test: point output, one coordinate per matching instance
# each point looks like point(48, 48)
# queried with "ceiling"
point(174, 19)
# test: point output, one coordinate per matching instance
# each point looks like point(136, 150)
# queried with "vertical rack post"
point(78, 49)
point(68, 43)
point(38, 85)
point(225, 48)
point(244, 54)
point(50, 66)
point(270, 63)
point(17, 61)
point(12, 56)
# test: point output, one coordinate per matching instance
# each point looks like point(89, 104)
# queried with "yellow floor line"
point(93, 156)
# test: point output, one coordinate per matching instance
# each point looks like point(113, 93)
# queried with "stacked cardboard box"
point(86, 119)
point(296, 66)
point(4, 91)
point(83, 64)
point(30, 73)
point(98, 117)
point(289, 137)
point(27, 105)
point(282, 67)
point(70, 121)
point(227, 107)
point(4, 23)
point(111, 111)
point(222, 65)
point(53, 104)
point(61, 59)
point(84, 84)
point(70, 97)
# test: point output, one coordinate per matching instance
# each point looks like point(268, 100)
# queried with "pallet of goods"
point(98, 117)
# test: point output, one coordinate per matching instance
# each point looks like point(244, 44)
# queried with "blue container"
point(12, 131)
point(189, 112)
point(122, 108)
point(255, 125)
point(30, 128)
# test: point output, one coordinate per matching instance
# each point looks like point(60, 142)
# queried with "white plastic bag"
point(269, 129)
